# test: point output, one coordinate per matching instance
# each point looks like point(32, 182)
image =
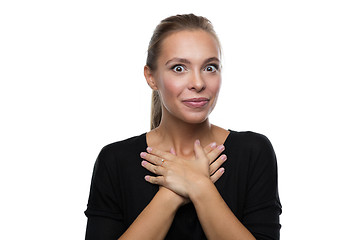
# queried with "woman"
point(170, 183)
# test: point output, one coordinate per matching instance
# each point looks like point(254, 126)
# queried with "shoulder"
point(249, 139)
point(124, 150)
point(256, 149)
point(129, 144)
point(254, 145)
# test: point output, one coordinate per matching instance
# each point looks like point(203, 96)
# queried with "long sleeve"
point(105, 218)
point(262, 204)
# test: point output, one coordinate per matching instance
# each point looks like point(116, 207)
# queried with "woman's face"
point(188, 75)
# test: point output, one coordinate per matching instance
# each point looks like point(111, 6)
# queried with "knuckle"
point(155, 151)
point(165, 180)
point(155, 180)
point(160, 181)
point(149, 157)
point(207, 150)
point(213, 155)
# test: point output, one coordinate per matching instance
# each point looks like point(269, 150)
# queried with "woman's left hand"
point(181, 175)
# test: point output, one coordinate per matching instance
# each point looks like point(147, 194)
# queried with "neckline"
point(228, 136)
point(225, 142)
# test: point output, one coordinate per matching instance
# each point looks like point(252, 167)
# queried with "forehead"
point(195, 44)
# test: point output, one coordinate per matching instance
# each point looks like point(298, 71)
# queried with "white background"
point(72, 81)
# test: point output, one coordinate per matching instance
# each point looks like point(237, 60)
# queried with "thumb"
point(199, 151)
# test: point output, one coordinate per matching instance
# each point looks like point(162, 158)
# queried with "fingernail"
point(223, 157)
point(172, 151)
point(197, 142)
point(222, 170)
point(147, 178)
point(143, 154)
point(213, 145)
point(149, 149)
point(143, 163)
point(221, 147)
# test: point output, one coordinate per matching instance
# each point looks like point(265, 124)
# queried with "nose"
point(197, 82)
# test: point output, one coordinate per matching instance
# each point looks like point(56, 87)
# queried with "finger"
point(155, 180)
point(209, 147)
point(217, 175)
point(217, 164)
point(199, 151)
point(160, 154)
point(152, 158)
point(158, 170)
point(215, 153)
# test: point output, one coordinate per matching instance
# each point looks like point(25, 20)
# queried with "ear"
point(149, 75)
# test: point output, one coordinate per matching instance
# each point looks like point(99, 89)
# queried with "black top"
point(119, 192)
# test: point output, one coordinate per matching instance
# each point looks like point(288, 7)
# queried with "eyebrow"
point(186, 61)
point(212, 59)
point(182, 60)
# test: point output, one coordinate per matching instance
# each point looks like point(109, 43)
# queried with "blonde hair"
point(165, 28)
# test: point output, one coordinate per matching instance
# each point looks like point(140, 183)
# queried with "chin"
point(195, 118)
point(190, 116)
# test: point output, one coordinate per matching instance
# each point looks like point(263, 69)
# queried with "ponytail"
point(155, 110)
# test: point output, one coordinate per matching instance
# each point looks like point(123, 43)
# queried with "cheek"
point(171, 87)
point(214, 85)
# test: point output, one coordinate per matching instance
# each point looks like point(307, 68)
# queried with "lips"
point(196, 102)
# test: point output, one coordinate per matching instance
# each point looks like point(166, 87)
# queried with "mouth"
point(196, 102)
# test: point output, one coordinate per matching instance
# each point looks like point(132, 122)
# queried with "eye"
point(178, 68)
point(211, 68)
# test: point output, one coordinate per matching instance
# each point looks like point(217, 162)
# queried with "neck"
point(181, 136)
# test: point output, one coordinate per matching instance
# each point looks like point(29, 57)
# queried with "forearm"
point(155, 220)
point(216, 218)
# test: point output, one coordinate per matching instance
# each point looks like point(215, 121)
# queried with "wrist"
point(199, 189)
point(170, 198)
